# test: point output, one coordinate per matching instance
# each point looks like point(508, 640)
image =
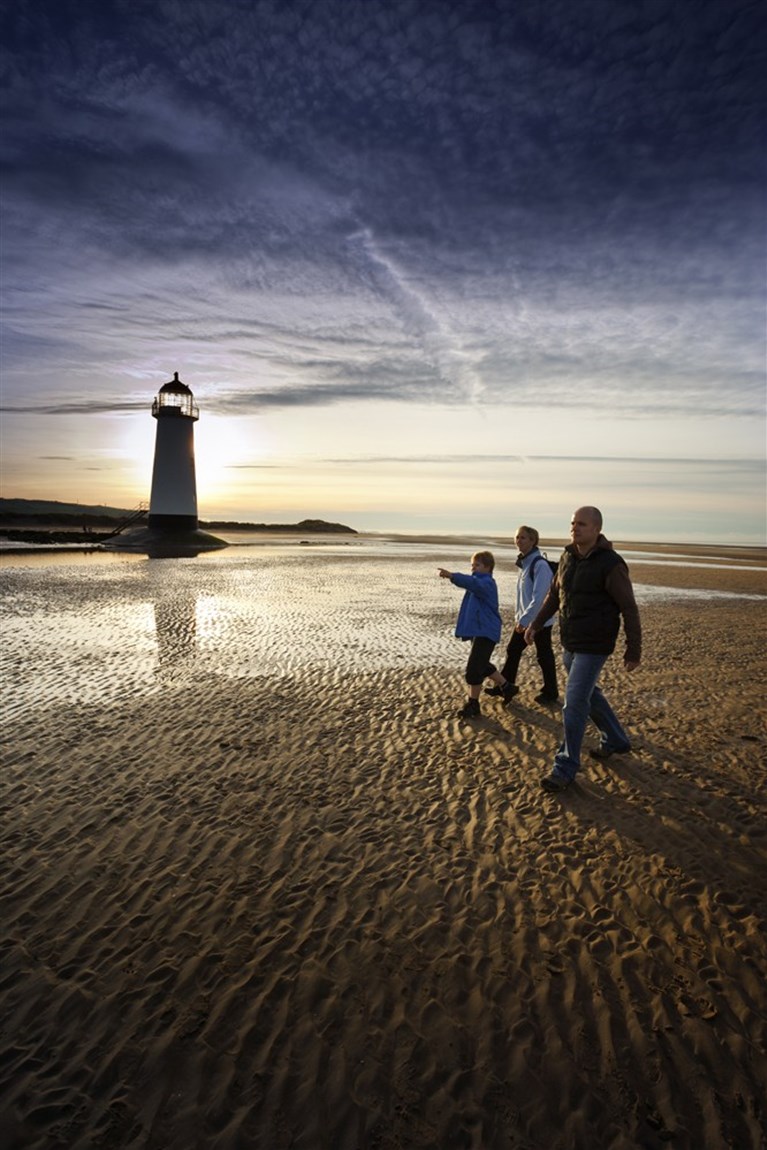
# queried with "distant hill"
point(48, 512)
point(311, 526)
point(47, 507)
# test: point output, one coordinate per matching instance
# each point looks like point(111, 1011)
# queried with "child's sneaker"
point(470, 710)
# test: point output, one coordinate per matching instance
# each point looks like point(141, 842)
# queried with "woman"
point(534, 580)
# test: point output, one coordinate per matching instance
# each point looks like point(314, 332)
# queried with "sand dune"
point(263, 888)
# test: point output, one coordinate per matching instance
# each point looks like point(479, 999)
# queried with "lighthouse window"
point(173, 401)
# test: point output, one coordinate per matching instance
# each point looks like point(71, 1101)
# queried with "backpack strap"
point(551, 564)
point(534, 564)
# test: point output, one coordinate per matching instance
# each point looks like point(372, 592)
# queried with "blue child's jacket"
point(478, 614)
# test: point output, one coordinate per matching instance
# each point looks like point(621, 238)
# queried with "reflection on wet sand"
point(175, 621)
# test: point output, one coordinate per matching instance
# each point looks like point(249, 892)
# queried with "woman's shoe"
point(506, 692)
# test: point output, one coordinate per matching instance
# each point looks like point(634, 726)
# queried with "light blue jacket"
point(478, 615)
point(533, 583)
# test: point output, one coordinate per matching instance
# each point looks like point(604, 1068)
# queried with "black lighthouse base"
point(166, 542)
point(173, 522)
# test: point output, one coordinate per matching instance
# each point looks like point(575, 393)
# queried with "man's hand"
point(443, 574)
point(530, 635)
point(631, 664)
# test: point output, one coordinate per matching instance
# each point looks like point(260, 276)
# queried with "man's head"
point(585, 527)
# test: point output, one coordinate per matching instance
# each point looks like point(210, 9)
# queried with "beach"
point(264, 889)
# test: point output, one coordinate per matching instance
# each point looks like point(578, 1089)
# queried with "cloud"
point(470, 460)
point(443, 203)
point(75, 407)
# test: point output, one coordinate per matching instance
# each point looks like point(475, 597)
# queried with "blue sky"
point(426, 264)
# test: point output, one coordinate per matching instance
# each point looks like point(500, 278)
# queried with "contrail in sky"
point(440, 344)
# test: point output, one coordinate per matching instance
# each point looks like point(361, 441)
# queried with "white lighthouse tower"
point(173, 501)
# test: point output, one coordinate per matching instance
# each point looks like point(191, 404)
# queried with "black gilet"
point(589, 618)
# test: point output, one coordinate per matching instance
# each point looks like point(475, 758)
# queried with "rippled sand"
point(263, 888)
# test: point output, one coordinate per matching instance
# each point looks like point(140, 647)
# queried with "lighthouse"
point(173, 528)
point(173, 501)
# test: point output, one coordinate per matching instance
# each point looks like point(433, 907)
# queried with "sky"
point(426, 265)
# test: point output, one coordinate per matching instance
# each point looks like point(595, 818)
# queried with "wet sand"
point(263, 888)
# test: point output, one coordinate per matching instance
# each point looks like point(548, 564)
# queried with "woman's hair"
point(486, 558)
point(531, 532)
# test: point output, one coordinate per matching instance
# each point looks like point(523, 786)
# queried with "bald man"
point(592, 592)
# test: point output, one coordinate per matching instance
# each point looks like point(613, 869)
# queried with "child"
point(479, 620)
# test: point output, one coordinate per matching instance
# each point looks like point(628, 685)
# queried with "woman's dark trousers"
point(544, 655)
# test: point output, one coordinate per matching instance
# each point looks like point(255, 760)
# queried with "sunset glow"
point(456, 266)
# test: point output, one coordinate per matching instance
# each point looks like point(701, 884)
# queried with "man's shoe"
point(470, 710)
point(607, 753)
point(555, 783)
point(546, 700)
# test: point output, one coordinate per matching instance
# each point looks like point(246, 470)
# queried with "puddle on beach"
point(99, 628)
point(98, 631)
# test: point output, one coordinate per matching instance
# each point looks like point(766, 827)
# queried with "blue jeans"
point(584, 701)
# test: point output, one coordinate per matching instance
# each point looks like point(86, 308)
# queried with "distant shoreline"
point(725, 550)
point(70, 530)
point(49, 521)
